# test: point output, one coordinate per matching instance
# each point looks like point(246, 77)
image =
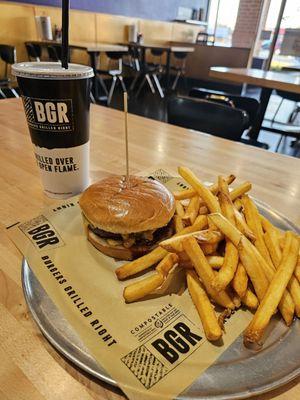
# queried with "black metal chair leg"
point(141, 87)
point(133, 83)
point(102, 84)
point(278, 144)
point(275, 115)
point(176, 80)
point(111, 91)
point(159, 88)
point(122, 83)
point(2, 94)
point(92, 98)
point(14, 92)
point(147, 76)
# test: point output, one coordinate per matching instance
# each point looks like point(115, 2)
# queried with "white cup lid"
point(51, 70)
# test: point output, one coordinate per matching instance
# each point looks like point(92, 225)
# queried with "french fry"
point(227, 271)
point(297, 270)
point(203, 237)
point(253, 268)
point(231, 259)
point(179, 208)
point(250, 300)
point(240, 280)
point(205, 272)
point(242, 226)
point(192, 210)
point(184, 194)
point(270, 302)
point(189, 193)
point(204, 307)
point(215, 262)
point(228, 229)
point(226, 207)
point(286, 305)
point(238, 204)
point(240, 190)
point(254, 222)
point(146, 286)
point(202, 190)
point(271, 237)
point(178, 222)
point(209, 248)
point(225, 200)
point(272, 242)
point(203, 210)
point(142, 288)
point(294, 289)
point(144, 262)
point(168, 262)
point(140, 264)
point(252, 261)
point(235, 297)
point(268, 226)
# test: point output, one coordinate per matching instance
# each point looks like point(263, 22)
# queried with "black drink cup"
point(56, 104)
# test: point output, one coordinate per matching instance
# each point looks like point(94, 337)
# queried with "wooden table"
point(30, 369)
point(267, 80)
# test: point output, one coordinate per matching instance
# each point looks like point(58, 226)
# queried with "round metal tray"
point(239, 373)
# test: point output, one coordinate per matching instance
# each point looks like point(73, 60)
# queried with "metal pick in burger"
point(126, 134)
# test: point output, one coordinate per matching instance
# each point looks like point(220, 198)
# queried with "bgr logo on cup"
point(49, 115)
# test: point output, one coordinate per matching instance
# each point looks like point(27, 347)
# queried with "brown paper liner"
point(144, 345)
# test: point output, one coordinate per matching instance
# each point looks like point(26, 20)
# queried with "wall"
point(199, 62)
point(247, 23)
point(18, 26)
point(165, 10)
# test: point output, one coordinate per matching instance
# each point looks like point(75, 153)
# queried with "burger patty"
point(139, 238)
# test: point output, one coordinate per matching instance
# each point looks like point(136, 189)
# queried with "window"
point(221, 20)
point(287, 48)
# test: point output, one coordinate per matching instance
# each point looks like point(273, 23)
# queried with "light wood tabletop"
point(99, 47)
point(168, 47)
point(30, 369)
point(87, 46)
point(289, 81)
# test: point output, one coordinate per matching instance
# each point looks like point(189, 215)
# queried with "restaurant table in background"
point(30, 368)
point(267, 80)
point(93, 50)
point(168, 49)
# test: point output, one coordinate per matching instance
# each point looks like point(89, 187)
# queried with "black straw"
point(65, 33)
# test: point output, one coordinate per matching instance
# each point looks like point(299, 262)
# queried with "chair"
point(8, 55)
point(34, 52)
point(248, 104)
point(144, 72)
point(157, 55)
point(179, 67)
point(207, 116)
point(292, 117)
point(54, 53)
point(116, 74)
point(205, 38)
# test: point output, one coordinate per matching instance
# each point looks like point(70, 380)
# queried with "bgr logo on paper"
point(49, 115)
point(41, 233)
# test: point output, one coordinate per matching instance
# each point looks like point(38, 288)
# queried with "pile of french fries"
point(231, 255)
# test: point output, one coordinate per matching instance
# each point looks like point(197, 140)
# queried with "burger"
point(127, 219)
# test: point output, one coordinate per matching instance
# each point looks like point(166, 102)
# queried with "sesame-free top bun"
point(116, 206)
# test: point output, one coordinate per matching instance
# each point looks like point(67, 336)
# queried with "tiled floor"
point(152, 106)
